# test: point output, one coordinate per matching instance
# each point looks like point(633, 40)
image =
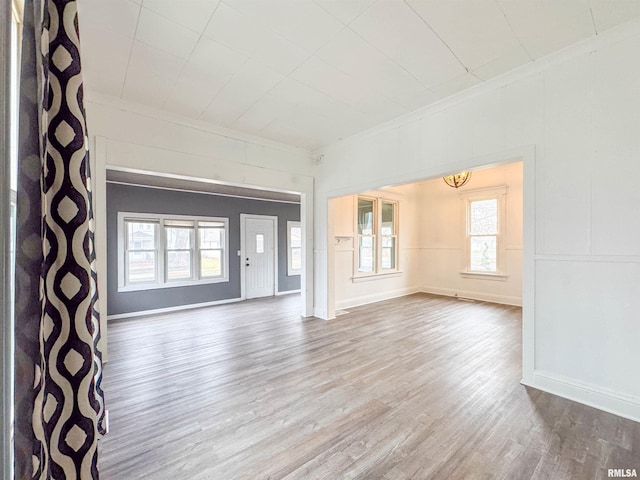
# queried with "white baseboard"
point(484, 297)
point(287, 292)
point(178, 308)
point(591, 395)
point(320, 313)
point(375, 297)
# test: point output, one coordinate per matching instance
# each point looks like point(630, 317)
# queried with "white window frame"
point(378, 271)
point(290, 270)
point(224, 251)
point(394, 235)
point(469, 196)
point(161, 280)
point(192, 251)
point(156, 249)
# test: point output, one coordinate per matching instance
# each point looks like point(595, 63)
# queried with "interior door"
point(259, 257)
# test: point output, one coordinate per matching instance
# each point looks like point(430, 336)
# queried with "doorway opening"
point(197, 243)
point(429, 237)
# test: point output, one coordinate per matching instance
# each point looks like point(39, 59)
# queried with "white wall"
point(573, 118)
point(442, 237)
point(350, 293)
point(127, 136)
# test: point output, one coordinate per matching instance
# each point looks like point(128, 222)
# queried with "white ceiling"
point(310, 72)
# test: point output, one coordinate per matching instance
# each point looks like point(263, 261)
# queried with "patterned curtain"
point(58, 397)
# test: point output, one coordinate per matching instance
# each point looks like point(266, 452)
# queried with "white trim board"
point(287, 292)
point(6, 320)
point(375, 297)
point(480, 296)
point(178, 308)
point(591, 395)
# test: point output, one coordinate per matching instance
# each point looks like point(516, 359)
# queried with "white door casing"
point(259, 247)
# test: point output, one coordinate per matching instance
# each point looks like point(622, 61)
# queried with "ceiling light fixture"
point(457, 179)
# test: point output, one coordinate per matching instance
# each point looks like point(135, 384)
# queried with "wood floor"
point(421, 387)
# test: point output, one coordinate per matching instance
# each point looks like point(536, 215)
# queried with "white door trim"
point(243, 217)
point(6, 320)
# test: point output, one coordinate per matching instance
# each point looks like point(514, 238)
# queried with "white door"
point(259, 256)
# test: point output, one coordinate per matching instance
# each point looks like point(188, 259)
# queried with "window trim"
point(192, 253)
point(157, 253)
point(378, 271)
point(394, 235)
point(198, 251)
point(290, 270)
point(498, 193)
point(162, 252)
point(358, 236)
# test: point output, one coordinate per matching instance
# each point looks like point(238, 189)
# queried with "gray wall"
point(127, 198)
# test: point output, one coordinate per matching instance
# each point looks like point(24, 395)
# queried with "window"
point(141, 258)
point(484, 243)
point(294, 248)
point(388, 236)
point(366, 236)
point(259, 243)
point(179, 242)
point(158, 251)
point(211, 248)
point(377, 236)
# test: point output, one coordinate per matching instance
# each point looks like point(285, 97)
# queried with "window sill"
point(375, 276)
point(500, 277)
point(159, 286)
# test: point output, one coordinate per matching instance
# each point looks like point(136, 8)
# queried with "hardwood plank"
point(420, 387)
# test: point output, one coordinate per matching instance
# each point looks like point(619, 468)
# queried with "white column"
point(6, 330)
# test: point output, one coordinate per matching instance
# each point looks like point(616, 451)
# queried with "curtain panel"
point(58, 367)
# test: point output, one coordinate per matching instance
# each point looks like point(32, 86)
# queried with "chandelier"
point(457, 179)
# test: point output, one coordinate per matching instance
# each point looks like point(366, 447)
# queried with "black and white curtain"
point(59, 401)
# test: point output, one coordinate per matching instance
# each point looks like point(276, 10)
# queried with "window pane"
point(178, 238)
point(210, 263)
point(211, 237)
point(259, 243)
point(296, 237)
point(388, 253)
point(388, 220)
point(365, 216)
point(142, 267)
point(178, 265)
point(296, 258)
point(484, 217)
point(365, 254)
point(483, 254)
point(141, 236)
